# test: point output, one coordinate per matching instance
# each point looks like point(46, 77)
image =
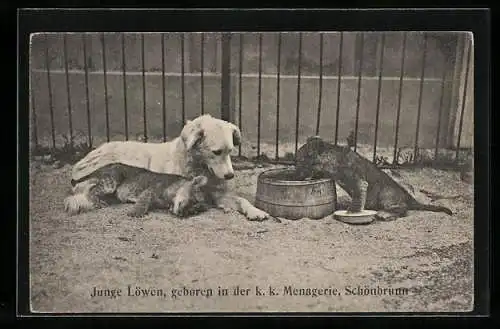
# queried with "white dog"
point(203, 147)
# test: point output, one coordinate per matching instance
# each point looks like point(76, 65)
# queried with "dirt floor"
point(182, 263)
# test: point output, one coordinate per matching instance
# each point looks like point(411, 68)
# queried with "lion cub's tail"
point(77, 203)
point(415, 205)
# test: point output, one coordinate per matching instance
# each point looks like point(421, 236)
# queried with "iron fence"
point(452, 82)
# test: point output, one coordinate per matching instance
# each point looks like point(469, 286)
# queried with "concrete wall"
point(441, 51)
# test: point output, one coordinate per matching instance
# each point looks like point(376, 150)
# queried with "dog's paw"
point(255, 214)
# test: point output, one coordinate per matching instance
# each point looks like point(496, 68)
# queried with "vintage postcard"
point(188, 172)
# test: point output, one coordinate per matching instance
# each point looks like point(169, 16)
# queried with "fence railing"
point(259, 72)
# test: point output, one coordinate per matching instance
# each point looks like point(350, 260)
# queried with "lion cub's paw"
point(137, 212)
point(225, 209)
point(100, 204)
point(385, 216)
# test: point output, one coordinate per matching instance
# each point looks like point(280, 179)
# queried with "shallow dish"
point(362, 217)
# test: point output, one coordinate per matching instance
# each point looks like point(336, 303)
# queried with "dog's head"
point(190, 197)
point(211, 141)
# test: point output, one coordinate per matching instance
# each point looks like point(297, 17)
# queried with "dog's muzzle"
point(226, 176)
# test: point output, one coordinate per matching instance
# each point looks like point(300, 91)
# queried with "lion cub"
point(368, 186)
point(147, 189)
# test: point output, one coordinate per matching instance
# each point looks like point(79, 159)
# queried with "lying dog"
point(367, 185)
point(203, 148)
point(146, 189)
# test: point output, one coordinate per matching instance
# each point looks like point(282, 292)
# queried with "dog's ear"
point(199, 181)
point(236, 136)
point(191, 134)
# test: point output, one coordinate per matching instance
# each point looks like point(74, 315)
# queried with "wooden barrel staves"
point(282, 196)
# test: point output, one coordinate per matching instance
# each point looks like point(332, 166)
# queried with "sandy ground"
point(429, 254)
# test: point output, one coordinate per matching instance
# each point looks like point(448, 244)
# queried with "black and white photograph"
point(282, 171)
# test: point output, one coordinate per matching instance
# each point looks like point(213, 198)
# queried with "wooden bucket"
point(281, 196)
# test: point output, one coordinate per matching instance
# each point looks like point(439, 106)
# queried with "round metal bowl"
point(363, 217)
point(280, 194)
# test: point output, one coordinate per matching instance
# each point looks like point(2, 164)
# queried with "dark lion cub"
point(367, 185)
point(148, 190)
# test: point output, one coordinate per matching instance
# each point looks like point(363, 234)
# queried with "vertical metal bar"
point(401, 79)
point(360, 77)
point(240, 89)
point(297, 113)
point(441, 102)
point(163, 101)
point(318, 120)
point(464, 95)
point(105, 85)
point(145, 122)
point(377, 115)
point(87, 98)
point(226, 76)
point(259, 101)
point(202, 74)
point(422, 76)
point(278, 96)
point(124, 77)
point(216, 50)
point(34, 132)
point(68, 91)
point(183, 96)
point(339, 82)
point(49, 87)
point(454, 82)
